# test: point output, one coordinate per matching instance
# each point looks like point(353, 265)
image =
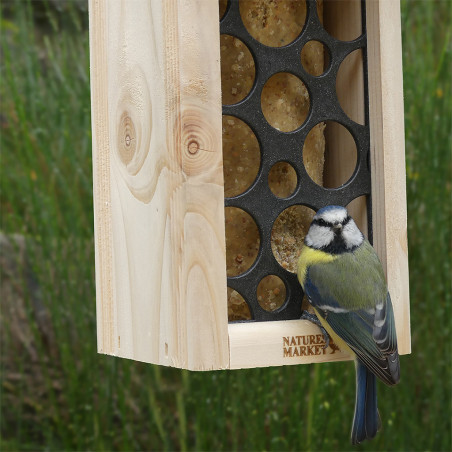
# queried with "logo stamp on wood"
point(308, 345)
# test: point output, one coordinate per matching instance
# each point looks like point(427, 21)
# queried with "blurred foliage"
point(50, 15)
point(57, 393)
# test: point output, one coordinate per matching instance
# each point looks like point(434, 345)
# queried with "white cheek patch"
point(319, 236)
point(333, 216)
point(352, 235)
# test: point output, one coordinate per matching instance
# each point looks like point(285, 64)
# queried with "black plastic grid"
point(258, 200)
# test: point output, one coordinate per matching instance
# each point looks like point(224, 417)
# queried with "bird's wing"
point(351, 295)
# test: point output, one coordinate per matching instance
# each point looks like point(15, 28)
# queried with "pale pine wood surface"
point(161, 278)
point(389, 214)
point(263, 344)
point(101, 172)
point(388, 156)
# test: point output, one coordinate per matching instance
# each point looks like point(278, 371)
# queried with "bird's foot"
point(313, 318)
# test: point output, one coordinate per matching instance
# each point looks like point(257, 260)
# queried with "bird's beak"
point(337, 227)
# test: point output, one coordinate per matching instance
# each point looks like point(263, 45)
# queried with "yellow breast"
point(310, 256)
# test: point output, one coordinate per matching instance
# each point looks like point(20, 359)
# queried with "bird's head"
point(333, 230)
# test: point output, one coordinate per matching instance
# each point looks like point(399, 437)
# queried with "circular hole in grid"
point(282, 179)
point(357, 209)
point(314, 153)
point(237, 69)
point(288, 233)
point(342, 19)
point(305, 305)
point(242, 241)
point(350, 86)
point(340, 155)
point(271, 293)
point(315, 57)
point(285, 101)
point(273, 23)
point(238, 308)
point(241, 156)
point(222, 6)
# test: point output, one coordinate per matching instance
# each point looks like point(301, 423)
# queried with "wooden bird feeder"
point(218, 129)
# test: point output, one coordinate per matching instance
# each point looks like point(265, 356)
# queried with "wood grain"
point(388, 156)
point(161, 284)
point(279, 343)
point(101, 172)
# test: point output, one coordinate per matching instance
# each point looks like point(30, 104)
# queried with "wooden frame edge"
point(101, 176)
point(286, 342)
point(386, 112)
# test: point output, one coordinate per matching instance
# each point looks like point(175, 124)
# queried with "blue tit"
point(345, 284)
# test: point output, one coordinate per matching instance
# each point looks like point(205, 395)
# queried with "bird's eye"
point(322, 222)
point(346, 220)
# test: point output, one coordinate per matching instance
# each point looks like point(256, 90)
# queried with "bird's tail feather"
point(366, 421)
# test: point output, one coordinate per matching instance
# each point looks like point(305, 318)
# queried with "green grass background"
point(70, 398)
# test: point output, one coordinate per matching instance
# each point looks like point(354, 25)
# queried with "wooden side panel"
point(388, 156)
point(278, 344)
point(158, 181)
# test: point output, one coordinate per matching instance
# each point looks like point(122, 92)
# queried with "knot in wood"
point(133, 127)
point(193, 147)
point(199, 143)
point(126, 138)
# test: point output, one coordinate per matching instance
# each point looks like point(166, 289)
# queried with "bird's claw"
point(313, 318)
